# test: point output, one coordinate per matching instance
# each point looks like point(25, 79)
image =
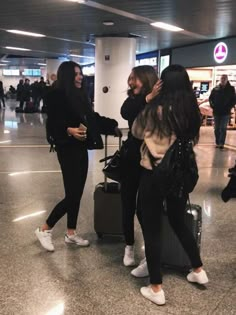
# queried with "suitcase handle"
point(107, 158)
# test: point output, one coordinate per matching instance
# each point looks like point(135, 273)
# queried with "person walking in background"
point(143, 87)
point(20, 94)
point(35, 93)
point(2, 96)
point(74, 128)
point(222, 100)
point(42, 91)
point(174, 114)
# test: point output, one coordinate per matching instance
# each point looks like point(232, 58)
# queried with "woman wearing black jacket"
point(143, 88)
point(73, 128)
point(2, 100)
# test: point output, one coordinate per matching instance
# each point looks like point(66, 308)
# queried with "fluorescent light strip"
point(25, 33)
point(31, 172)
point(81, 56)
point(6, 61)
point(167, 27)
point(29, 216)
point(17, 48)
point(41, 64)
point(6, 141)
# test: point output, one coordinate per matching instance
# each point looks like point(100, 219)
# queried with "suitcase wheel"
point(100, 235)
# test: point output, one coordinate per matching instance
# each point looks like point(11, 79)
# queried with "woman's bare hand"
point(155, 91)
point(78, 133)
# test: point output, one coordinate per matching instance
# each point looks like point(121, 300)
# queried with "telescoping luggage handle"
point(106, 155)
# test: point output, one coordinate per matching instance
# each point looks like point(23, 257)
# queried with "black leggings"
point(74, 166)
point(151, 208)
point(129, 192)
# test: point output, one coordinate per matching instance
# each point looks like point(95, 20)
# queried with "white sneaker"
point(129, 256)
point(76, 239)
point(200, 277)
point(155, 297)
point(141, 271)
point(45, 238)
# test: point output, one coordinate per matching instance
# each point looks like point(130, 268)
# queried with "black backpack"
point(177, 173)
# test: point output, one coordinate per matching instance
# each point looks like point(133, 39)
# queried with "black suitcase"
point(108, 207)
point(19, 110)
point(173, 254)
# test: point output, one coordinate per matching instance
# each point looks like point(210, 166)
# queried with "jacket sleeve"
point(137, 130)
point(126, 111)
point(56, 123)
point(233, 98)
point(106, 126)
point(211, 98)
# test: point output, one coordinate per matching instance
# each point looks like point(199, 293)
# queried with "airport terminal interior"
point(94, 281)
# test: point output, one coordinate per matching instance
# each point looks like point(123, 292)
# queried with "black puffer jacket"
point(222, 99)
point(130, 109)
point(62, 114)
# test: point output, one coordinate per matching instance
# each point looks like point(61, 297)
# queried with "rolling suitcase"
point(107, 206)
point(173, 254)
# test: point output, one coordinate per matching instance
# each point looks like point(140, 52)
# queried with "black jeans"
point(129, 191)
point(151, 207)
point(74, 166)
point(21, 105)
point(221, 123)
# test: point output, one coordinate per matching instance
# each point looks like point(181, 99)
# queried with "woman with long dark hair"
point(143, 87)
point(73, 128)
point(174, 114)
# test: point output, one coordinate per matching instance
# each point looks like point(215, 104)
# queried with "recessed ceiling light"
point(167, 27)
point(25, 33)
point(17, 48)
point(81, 56)
point(79, 1)
point(108, 23)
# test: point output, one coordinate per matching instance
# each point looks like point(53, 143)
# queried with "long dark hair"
point(147, 75)
point(179, 109)
point(65, 81)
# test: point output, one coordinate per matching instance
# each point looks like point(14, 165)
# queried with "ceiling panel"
point(203, 20)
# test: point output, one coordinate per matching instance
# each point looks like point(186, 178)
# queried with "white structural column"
point(114, 60)
point(52, 67)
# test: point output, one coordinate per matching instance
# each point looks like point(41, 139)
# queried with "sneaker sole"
point(201, 283)
point(71, 242)
point(152, 300)
point(146, 276)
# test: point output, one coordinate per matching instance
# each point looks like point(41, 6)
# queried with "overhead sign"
point(220, 52)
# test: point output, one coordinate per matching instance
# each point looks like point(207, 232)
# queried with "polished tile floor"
point(92, 280)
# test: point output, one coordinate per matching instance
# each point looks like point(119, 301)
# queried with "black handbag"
point(177, 173)
point(112, 169)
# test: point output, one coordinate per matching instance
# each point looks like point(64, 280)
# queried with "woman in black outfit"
point(2, 100)
point(74, 128)
point(143, 88)
point(174, 115)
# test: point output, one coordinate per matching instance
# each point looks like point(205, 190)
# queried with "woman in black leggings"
point(73, 128)
point(174, 114)
point(143, 87)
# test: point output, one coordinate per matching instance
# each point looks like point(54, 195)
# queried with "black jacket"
point(222, 100)
point(62, 114)
point(130, 109)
